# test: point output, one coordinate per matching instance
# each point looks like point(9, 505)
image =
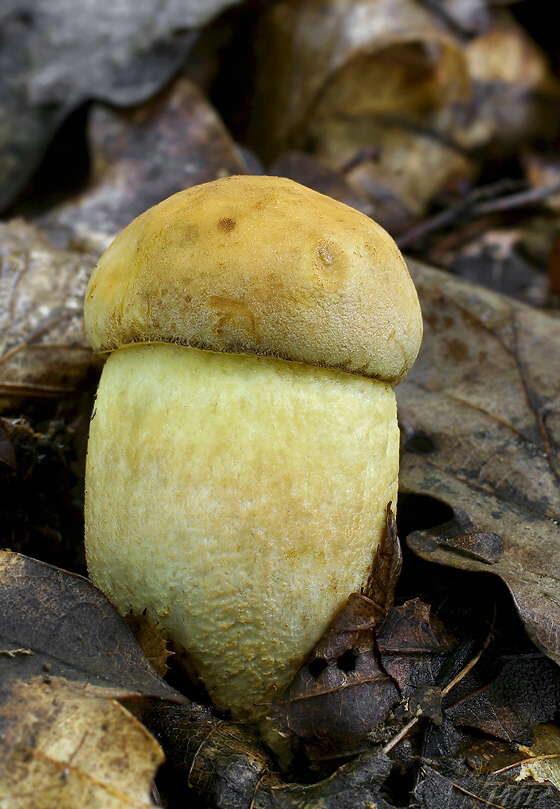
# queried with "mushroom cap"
point(259, 265)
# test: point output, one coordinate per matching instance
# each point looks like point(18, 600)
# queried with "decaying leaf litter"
point(479, 412)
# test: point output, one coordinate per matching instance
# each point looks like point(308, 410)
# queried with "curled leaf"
point(341, 693)
point(226, 765)
point(413, 645)
point(480, 413)
point(55, 57)
point(44, 350)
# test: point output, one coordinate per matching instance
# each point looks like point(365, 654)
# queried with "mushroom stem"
point(253, 489)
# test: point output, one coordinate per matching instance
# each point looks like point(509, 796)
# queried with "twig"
point(33, 336)
point(369, 152)
point(529, 760)
point(470, 665)
point(400, 735)
point(512, 201)
point(481, 202)
point(477, 797)
point(464, 671)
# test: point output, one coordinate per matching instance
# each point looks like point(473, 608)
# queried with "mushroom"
point(244, 444)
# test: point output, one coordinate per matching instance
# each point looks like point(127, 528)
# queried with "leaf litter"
point(68, 628)
point(64, 745)
point(492, 453)
point(480, 415)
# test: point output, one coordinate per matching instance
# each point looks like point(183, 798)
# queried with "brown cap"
point(259, 265)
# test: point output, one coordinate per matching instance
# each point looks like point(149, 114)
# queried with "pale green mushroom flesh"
point(240, 500)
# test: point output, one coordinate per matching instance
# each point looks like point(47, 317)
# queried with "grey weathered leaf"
point(56, 55)
point(58, 624)
point(480, 413)
point(139, 157)
point(44, 350)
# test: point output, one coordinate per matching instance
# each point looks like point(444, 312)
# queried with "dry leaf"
point(64, 745)
point(225, 765)
point(341, 693)
point(451, 790)
point(141, 156)
point(55, 621)
point(525, 693)
point(401, 79)
point(514, 92)
point(542, 762)
point(480, 413)
point(44, 350)
point(413, 645)
point(412, 166)
point(56, 56)
point(467, 17)
point(312, 48)
point(347, 76)
point(386, 567)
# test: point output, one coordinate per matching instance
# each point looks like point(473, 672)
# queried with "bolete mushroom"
point(244, 444)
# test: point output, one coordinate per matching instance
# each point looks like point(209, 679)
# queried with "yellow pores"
point(239, 467)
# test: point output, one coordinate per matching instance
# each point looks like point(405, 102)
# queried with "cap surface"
point(259, 265)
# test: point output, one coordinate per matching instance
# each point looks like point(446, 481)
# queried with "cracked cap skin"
point(259, 265)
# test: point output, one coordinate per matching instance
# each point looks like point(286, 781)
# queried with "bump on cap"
point(259, 265)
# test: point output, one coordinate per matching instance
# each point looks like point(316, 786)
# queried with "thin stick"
point(517, 200)
point(477, 205)
point(477, 797)
point(464, 671)
point(400, 735)
point(470, 665)
point(529, 760)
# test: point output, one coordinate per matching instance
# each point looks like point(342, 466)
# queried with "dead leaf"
point(69, 629)
point(211, 757)
point(180, 127)
point(349, 76)
point(44, 350)
point(341, 693)
point(64, 745)
point(525, 693)
point(514, 92)
point(55, 57)
point(494, 260)
point(450, 790)
point(480, 413)
point(226, 765)
point(466, 17)
point(425, 701)
point(542, 759)
point(386, 568)
point(413, 645)
point(368, 56)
